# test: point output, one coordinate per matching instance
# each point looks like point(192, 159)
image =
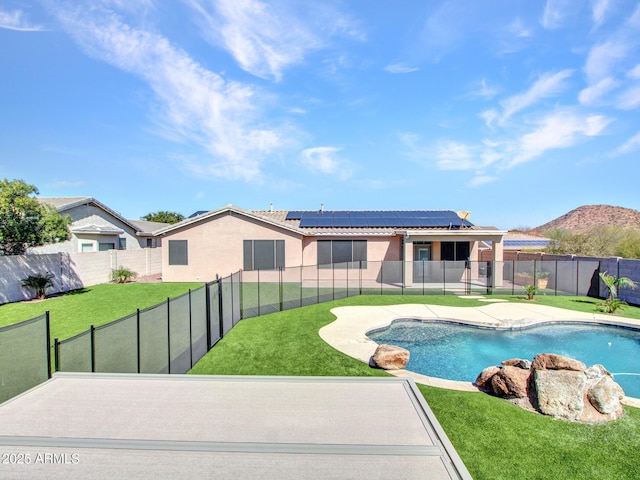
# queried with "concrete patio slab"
point(78, 426)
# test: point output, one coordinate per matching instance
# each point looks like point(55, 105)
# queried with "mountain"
point(590, 216)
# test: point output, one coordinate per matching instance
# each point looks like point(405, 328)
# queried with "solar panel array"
point(384, 218)
point(526, 243)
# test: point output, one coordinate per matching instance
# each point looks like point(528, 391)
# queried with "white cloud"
point(517, 29)
point(325, 160)
point(561, 129)
point(196, 106)
point(602, 59)
point(593, 93)
point(480, 180)
point(484, 90)
point(555, 13)
point(629, 99)
point(265, 38)
point(630, 145)
point(16, 20)
point(400, 68)
point(548, 85)
point(490, 116)
point(599, 11)
point(455, 156)
point(634, 72)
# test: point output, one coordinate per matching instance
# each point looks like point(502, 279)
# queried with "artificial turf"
point(495, 439)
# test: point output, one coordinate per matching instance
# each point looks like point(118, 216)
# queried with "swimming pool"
point(460, 352)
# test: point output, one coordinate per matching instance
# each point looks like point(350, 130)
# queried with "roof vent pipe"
point(271, 207)
point(322, 207)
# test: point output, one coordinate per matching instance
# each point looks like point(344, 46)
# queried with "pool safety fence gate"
point(172, 336)
point(25, 359)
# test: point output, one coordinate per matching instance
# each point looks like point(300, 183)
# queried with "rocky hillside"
point(590, 216)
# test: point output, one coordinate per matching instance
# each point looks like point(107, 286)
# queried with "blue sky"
point(516, 111)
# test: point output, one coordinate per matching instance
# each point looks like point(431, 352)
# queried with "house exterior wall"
point(83, 215)
point(215, 246)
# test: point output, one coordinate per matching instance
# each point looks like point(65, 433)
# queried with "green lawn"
point(76, 311)
point(495, 439)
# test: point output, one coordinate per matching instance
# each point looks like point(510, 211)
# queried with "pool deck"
point(347, 333)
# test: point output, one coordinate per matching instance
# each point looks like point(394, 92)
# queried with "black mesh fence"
point(115, 346)
point(172, 336)
point(24, 356)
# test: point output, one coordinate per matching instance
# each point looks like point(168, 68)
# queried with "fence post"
point(221, 308)
point(241, 293)
point(92, 330)
point(207, 308)
point(168, 336)
point(56, 353)
point(444, 277)
point(333, 281)
point(48, 335)
point(258, 295)
point(360, 278)
point(555, 282)
point(577, 278)
point(280, 287)
point(138, 338)
point(190, 333)
point(513, 276)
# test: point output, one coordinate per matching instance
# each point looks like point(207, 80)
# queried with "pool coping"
point(347, 333)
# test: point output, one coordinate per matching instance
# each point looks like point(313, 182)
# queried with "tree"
point(25, 222)
point(613, 284)
point(163, 217)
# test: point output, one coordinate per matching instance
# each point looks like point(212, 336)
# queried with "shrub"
point(38, 283)
point(531, 291)
point(122, 275)
point(610, 305)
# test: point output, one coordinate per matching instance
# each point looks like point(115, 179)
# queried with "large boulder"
point(484, 379)
point(560, 393)
point(605, 396)
point(390, 357)
point(510, 382)
point(558, 386)
point(551, 361)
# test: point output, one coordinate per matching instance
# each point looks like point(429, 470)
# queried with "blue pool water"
point(460, 352)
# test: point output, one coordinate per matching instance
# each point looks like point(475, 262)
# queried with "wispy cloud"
point(17, 20)
point(485, 91)
point(266, 38)
point(555, 13)
point(599, 11)
point(400, 68)
point(196, 106)
point(629, 99)
point(548, 85)
point(629, 146)
point(480, 180)
point(603, 57)
point(325, 160)
point(560, 129)
point(593, 93)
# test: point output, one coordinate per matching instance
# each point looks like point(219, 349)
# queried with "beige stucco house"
point(96, 227)
point(229, 239)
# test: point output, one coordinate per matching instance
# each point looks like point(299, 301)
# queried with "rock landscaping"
point(556, 385)
point(390, 357)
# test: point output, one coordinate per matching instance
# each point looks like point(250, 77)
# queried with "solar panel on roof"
point(359, 222)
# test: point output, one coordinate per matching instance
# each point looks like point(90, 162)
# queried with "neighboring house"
point(96, 227)
point(229, 239)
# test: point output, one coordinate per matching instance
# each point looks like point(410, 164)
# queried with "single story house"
point(229, 239)
point(96, 227)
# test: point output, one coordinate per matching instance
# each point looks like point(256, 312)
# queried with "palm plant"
point(613, 284)
point(39, 283)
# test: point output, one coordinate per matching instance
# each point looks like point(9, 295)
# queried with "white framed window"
point(86, 247)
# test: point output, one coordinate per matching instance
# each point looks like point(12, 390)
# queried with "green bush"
point(122, 275)
point(38, 283)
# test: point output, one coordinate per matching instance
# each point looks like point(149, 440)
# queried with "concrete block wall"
point(72, 270)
